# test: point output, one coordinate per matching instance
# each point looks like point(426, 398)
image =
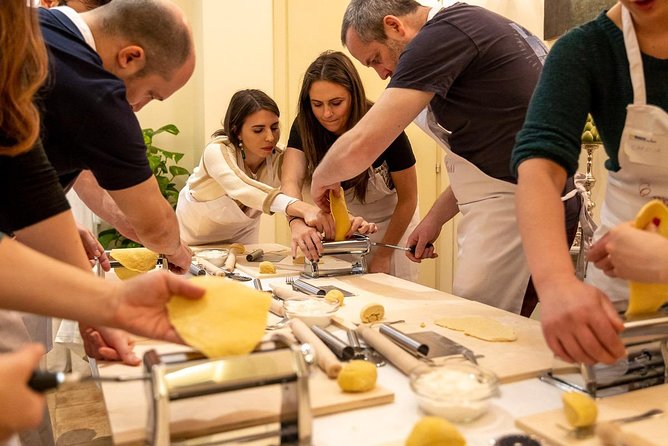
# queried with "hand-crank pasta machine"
point(646, 341)
point(278, 363)
point(358, 248)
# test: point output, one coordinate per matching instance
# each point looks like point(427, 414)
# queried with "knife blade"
point(401, 248)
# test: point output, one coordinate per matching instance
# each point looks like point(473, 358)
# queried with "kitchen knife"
point(401, 248)
point(41, 380)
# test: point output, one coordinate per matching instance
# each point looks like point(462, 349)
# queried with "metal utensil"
point(280, 324)
point(365, 353)
point(304, 287)
point(588, 431)
point(400, 248)
point(41, 380)
point(406, 342)
point(196, 269)
point(342, 350)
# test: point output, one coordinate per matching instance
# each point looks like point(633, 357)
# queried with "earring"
point(243, 152)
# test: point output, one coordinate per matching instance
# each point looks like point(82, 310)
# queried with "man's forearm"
point(444, 208)
point(101, 204)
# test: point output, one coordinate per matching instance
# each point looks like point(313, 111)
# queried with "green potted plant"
point(164, 165)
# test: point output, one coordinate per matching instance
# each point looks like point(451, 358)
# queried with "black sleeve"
point(295, 139)
point(32, 191)
point(113, 148)
point(399, 155)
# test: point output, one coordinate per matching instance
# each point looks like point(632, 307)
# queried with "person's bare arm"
point(579, 322)
point(100, 202)
point(405, 183)
point(358, 148)
point(50, 287)
point(154, 221)
point(443, 210)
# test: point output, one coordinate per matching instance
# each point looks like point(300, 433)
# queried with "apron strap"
point(635, 58)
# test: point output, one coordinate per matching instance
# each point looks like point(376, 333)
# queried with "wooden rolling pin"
point(285, 291)
point(276, 307)
point(401, 359)
point(327, 361)
point(230, 262)
point(210, 267)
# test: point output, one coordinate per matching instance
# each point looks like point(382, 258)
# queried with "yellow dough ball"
point(357, 376)
point(267, 268)
point(435, 431)
point(580, 409)
point(372, 313)
point(237, 248)
point(334, 296)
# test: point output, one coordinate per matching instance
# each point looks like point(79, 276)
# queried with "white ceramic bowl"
point(457, 390)
point(311, 310)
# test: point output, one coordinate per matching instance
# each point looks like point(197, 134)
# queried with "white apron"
point(491, 267)
point(220, 220)
point(216, 221)
point(378, 207)
point(643, 161)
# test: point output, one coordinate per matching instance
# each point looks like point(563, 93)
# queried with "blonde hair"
point(23, 68)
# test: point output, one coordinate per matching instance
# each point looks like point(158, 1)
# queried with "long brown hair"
point(243, 104)
point(23, 68)
point(335, 67)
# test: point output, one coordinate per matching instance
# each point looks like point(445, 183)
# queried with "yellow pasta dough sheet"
point(229, 320)
point(479, 327)
point(647, 298)
point(135, 259)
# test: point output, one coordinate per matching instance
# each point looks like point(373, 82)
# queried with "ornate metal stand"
point(584, 234)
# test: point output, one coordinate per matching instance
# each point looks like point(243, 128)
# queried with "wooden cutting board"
point(653, 430)
point(127, 404)
point(419, 306)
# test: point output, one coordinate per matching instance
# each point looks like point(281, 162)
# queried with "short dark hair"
point(335, 67)
point(243, 104)
point(366, 17)
point(153, 25)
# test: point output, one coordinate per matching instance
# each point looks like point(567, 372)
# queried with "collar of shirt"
point(79, 23)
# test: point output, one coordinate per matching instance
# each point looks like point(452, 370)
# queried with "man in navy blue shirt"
point(106, 64)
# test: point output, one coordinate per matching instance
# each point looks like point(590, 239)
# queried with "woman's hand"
point(360, 226)
point(306, 238)
point(322, 221)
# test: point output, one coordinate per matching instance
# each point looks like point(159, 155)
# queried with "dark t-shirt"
point(32, 192)
point(482, 68)
point(399, 155)
point(87, 121)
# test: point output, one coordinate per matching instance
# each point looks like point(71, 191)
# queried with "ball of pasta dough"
point(237, 248)
point(357, 376)
point(372, 313)
point(334, 296)
point(434, 431)
point(267, 268)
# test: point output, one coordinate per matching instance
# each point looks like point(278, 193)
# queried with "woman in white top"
point(238, 177)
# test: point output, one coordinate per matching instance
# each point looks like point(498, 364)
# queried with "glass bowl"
point(456, 390)
point(216, 257)
point(311, 310)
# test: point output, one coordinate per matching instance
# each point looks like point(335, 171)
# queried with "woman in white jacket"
point(238, 179)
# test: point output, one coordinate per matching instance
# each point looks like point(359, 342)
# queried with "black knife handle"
point(412, 248)
point(41, 380)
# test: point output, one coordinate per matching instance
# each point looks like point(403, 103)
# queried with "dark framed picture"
point(562, 15)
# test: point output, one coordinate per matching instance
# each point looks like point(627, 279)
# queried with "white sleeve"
point(281, 203)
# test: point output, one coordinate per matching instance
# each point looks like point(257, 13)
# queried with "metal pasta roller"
point(277, 365)
point(357, 247)
point(644, 366)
